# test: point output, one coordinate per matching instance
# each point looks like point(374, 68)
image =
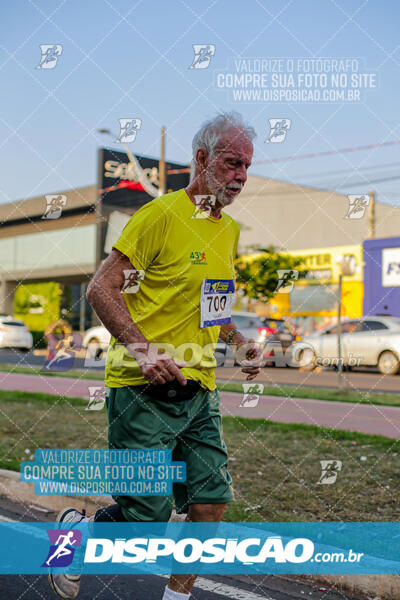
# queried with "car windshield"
point(247, 321)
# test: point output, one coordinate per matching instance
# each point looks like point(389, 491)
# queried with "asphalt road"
point(151, 587)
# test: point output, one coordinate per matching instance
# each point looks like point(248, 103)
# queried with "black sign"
point(119, 182)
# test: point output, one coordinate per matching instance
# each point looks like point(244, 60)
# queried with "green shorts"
point(192, 429)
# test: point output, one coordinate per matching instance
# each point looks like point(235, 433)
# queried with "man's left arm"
point(250, 352)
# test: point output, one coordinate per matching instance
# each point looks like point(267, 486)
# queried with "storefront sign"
point(390, 267)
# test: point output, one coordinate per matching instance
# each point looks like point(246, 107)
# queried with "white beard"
point(220, 193)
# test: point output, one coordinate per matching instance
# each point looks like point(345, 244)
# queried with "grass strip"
point(275, 467)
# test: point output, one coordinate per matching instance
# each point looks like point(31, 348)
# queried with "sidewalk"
point(364, 418)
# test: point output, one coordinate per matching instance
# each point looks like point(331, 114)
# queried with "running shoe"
point(66, 585)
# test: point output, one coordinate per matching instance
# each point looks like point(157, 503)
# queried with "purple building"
point(382, 277)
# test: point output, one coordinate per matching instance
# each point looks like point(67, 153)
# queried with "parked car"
point(96, 341)
point(14, 334)
point(278, 337)
point(250, 324)
point(370, 341)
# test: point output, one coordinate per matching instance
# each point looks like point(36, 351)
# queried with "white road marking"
point(225, 590)
point(39, 508)
point(23, 527)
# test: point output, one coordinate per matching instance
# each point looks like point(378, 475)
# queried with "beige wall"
point(294, 217)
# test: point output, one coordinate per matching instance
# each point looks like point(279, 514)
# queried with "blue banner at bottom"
point(202, 548)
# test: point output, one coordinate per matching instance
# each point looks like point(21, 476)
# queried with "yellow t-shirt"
point(177, 252)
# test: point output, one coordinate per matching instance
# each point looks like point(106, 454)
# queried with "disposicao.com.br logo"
point(218, 548)
point(211, 551)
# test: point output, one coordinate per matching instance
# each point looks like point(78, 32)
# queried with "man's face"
point(226, 170)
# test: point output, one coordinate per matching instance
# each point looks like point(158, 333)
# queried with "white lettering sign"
point(390, 267)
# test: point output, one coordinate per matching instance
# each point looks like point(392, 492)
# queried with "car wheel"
point(24, 350)
point(388, 363)
point(94, 348)
point(307, 359)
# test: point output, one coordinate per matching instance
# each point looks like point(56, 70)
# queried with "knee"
point(151, 514)
point(206, 512)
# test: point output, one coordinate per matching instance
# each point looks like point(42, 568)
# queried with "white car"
point(96, 340)
point(14, 334)
point(369, 341)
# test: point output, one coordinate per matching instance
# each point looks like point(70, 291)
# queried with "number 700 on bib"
point(216, 301)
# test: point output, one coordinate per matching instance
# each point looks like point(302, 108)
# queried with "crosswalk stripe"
point(225, 590)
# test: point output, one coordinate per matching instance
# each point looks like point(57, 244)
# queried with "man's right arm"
point(104, 294)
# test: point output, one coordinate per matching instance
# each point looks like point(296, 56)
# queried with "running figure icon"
point(62, 550)
point(63, 543)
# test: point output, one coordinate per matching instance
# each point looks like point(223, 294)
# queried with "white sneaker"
point(66, 585)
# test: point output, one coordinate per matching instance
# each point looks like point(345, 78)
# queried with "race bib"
point(216, 302)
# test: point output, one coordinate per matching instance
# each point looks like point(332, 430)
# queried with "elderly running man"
point(180, 249)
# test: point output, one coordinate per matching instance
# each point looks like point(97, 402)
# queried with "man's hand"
point(250, 355)
point(157, 368)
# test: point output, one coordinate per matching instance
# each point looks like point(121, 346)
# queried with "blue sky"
point(131, 59)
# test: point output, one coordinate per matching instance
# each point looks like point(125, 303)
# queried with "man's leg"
point(208, 483)
point(110, 514)
point(198, 513)
point(137, 421)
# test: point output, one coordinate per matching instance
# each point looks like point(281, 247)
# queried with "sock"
point(171, 595)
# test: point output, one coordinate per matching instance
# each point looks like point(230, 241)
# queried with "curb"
point(14, 489)
point(374, 587)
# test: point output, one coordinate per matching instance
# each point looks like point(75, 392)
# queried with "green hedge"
point(37, 304)
point(39, 341)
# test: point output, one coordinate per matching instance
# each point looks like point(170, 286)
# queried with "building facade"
point(291, 217)
point(50, 246)
point(313, 301)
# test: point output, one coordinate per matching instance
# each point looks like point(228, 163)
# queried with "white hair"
point(211, 131)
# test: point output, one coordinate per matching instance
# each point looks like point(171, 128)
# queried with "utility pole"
point(371, 215)
point(82, 307)
point(162, 186)
point(99, 210)
point(339, 337)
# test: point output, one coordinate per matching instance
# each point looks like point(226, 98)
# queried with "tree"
point(259, 277)
point(37, 304)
